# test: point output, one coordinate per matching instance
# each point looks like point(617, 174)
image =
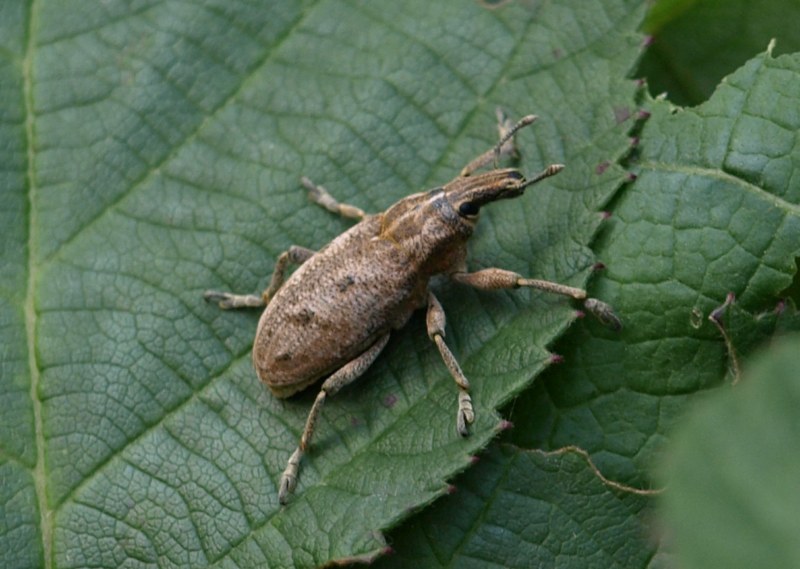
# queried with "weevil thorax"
point(433, 227)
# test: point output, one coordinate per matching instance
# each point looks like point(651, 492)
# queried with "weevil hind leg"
point(435, 322)
point(345, 375)
point(494, 278)
point(294, 255)
point(320, 196)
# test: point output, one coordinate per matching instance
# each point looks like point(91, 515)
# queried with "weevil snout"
point(468, 194)
point(473, 192)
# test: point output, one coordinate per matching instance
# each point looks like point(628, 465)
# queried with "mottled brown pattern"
point(362, 285)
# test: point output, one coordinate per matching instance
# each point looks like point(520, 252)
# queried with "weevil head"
point(434, 226)
point(466, 195)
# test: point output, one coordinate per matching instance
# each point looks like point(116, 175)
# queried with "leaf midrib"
point(34, 263)
point(39, 471)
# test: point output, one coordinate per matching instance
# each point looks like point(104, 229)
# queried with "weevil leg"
point(435, 321)
point(604, 312)
point(504, 147)
point(342, 377)
point(295, 254)
point(228, 300)
point(322, 197)
point(493, 279)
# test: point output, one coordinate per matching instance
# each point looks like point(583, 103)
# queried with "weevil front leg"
point(322, 197)
point(493, 279)
point(295, 255)
point(342, 377)
point(505, 146)
point(436, 324)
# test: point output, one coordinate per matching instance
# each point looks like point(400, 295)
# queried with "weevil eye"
point(468, 209)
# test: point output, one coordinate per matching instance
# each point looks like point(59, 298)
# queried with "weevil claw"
point(287, 485)
point(289, 477)
point(461, 425)
point(214, 295)
point(223, 299)
point(466, 415)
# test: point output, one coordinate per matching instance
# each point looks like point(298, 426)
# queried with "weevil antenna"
point(521, 123)
point(551, 170)
point(493, 154)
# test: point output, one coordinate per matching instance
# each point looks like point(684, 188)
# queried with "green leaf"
point(153, 150)
point(714, 211)
point(698, 42)
point(733, 471)
point(522, 508)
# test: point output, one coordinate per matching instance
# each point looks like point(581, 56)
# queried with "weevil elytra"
point(333, 316)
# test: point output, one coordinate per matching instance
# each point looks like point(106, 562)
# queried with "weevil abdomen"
point(334, 307)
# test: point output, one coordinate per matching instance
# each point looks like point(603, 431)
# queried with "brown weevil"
point(333, 316)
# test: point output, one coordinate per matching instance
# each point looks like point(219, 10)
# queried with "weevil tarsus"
point(604, 312)
point(227, 300)
point(320, 196)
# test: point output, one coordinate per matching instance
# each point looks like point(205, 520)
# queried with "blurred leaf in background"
point(739, 510)
point(698, 42)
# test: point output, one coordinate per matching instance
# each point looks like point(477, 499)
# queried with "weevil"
point(332, 317)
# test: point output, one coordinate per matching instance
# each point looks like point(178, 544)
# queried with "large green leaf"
point(152, 150)
point(715, 210)
point(734, 469)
